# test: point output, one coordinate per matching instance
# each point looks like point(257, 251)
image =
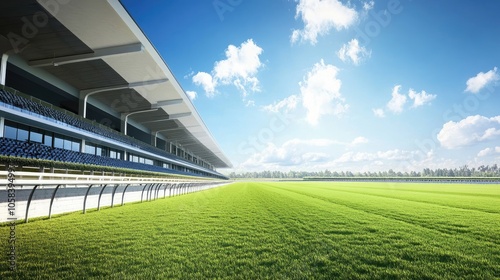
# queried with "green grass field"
point(278, 230)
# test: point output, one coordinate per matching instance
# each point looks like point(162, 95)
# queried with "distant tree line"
point(463, 171)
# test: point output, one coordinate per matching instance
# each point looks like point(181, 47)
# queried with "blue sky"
point(339, 85)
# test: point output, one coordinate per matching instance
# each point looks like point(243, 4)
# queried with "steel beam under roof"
point(170, 117)
point(168, 102)
point(97, 54)
point(125, 117)
point(84, 94)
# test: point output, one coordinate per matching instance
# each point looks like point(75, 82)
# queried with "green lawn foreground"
point(274, 230)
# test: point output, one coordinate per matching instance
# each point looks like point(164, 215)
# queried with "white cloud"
point(421, 98)
point(359, 140)
point(287, 104)
point(241, 65)
point(294, 152)
point(319, 16)
point(379, 112)
point(478, 82)
point(321, 154)
point(485, 152)
point(250, 103)
point(189, 75)
point(239, 68)
point(396, 159)
point(489, 151)
point(320, 93)
point(314, 157)
point(468, 131)
point(395, 155)
point(353, 51)
point(368, 5)
point(205, 80)
point(397, 102)
point(191, 94)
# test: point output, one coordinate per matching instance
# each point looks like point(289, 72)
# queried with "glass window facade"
point(36, 135)
point(22, 132)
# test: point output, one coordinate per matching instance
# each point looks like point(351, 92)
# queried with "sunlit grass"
point(297, 230)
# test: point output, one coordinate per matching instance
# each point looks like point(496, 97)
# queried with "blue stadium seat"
point(12, 148)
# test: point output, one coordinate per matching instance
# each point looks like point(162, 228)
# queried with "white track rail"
point(83, 192)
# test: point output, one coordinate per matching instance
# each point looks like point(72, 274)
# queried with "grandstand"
point(84, 92)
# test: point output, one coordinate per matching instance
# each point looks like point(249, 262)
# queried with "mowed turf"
point(274, 230)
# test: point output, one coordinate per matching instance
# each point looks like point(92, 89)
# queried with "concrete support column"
point(82, 105)
point(82, 146)
point(3, 68)
point(123, 123)
point(153, 137)
point(2, 126)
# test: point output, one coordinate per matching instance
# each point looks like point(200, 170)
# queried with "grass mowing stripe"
point(433, 237)
point(488, 202)
point(245, 231)
point(448, 221)
point(482, 190)
point(392, 218)
point(452, 201)
point(464, 205)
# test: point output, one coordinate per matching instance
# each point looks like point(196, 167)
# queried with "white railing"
point(73, 185)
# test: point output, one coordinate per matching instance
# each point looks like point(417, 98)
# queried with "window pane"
point(75, 146)
point(67, 144)
point(10, 132)
point(47, 140)
point(98, 151)
point(89, 149)
point(22, 134)
point(35, 136)
point(112, 154)
point(58, 142)
point(105, 152)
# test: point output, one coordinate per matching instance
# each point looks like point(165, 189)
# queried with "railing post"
point(150, 191)
point(52, 201)
point(156, 190)
point(29, 202)
point(85, 199)
point(99, 201)
point(113, 195)
point(142, 194)
point(123, 195)
point(178, 189)
point(165, 190)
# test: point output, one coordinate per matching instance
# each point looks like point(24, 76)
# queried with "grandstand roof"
point(95, 45)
